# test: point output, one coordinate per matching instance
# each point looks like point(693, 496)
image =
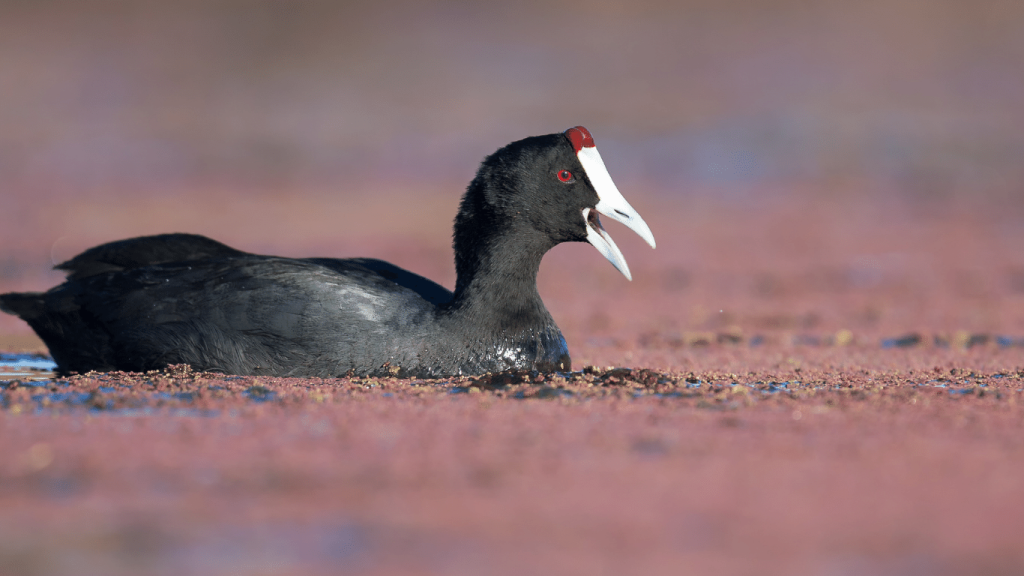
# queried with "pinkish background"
point(820, 177)
point(351, 128)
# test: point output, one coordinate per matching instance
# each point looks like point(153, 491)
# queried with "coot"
point(144, 303)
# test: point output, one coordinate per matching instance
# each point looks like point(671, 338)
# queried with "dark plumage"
point(145, 303)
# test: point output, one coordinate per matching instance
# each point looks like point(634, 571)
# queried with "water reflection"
point(26, 367)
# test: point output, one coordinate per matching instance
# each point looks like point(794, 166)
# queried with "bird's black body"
point(145, 303)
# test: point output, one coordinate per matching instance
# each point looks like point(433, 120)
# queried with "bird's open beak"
point(610, 202)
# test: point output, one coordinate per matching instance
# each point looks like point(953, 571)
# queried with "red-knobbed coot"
point(144, 303)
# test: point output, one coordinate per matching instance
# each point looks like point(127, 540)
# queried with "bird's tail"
point(25, 305)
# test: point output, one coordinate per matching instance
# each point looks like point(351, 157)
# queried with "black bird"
point(144, 303)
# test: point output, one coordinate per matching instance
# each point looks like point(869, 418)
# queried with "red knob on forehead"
point(580, 138)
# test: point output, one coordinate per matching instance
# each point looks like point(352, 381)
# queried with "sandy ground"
point(809, 388)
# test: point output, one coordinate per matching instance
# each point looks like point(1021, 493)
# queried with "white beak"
point(610, 202)
point(597, 236)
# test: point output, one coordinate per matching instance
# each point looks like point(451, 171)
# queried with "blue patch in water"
point(905, 341)
point(260, 394)
point(33, 383)
point(776, 387)
point(70, 398)
point(28, 362)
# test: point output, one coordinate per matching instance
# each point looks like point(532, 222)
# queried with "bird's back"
point(145, 303)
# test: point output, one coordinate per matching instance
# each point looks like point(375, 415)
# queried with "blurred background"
point(351, 128)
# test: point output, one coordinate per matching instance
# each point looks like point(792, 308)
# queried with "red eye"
point(565, 176)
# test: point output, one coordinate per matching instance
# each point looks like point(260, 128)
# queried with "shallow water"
point(24, 367)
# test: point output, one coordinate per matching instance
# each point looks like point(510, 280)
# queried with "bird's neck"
point(497, 280)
